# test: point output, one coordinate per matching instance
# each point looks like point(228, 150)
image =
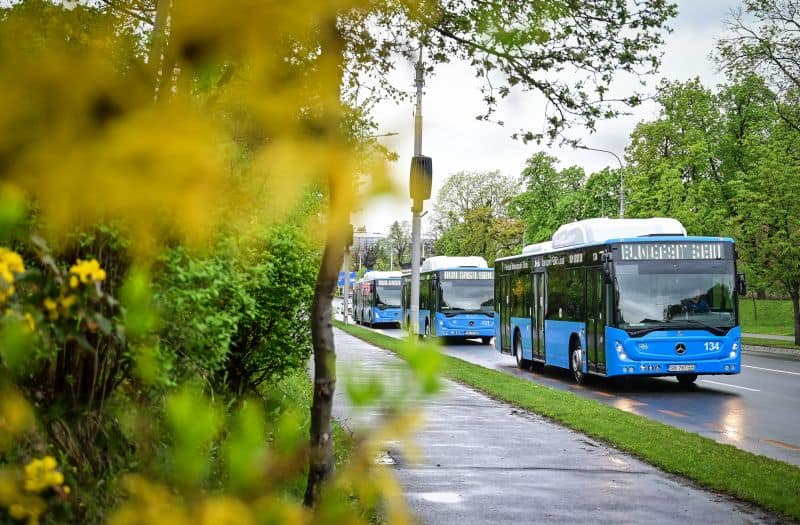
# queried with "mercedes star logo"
point(680, 348)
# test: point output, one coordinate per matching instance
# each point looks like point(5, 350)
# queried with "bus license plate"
point(471, 332)
point(681, 368)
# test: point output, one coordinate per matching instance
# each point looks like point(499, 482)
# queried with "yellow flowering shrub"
point(10, 265)
point(86, 272)
point(24, 495)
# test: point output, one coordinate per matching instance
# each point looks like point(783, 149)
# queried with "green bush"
point(280, 275)
point(239, 317)
point(202, 300)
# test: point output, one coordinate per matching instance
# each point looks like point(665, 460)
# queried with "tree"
point(398, 242)
point(764, 40)
point(674, 163)
point(551, 197)
point(470, 215)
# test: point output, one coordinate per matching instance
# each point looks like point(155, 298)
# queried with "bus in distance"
point(456, 298)
point(622, 297)
point(376, 298)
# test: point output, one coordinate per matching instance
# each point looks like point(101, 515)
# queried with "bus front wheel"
point(686, 379)
point(576, 363)
point(486, 340)
point(521, 361)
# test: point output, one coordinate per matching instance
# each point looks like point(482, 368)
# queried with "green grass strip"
point(767, 482)
point(775, 343)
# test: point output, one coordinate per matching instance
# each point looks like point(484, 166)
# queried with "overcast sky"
point(456, 141)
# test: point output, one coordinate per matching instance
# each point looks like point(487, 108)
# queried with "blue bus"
point(376, 298)
point(456, 298)
point(622, 297)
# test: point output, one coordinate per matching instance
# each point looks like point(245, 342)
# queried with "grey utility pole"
point(420, 189)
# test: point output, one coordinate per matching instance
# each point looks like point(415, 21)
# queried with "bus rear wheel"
point(686, 379)
point(486, 340)
point(576, 363)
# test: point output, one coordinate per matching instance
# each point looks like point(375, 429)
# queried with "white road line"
point(772, 370)
point(732, 386)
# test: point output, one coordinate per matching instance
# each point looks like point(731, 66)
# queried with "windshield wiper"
point(713, 329)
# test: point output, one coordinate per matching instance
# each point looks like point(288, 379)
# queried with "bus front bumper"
point(670, 368)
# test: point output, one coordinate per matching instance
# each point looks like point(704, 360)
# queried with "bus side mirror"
point(741, 284)
point(608, 276)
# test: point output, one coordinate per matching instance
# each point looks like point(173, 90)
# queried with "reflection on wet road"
point(755, 410)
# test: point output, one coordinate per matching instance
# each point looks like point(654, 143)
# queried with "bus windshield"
point(387, 296)
point(653, 295)
point(467, 294)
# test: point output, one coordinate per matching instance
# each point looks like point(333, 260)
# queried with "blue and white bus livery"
point(456, 298)
point(622, 297)
point(376, 298)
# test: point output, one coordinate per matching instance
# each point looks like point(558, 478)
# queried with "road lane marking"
point(772, 370)
point(604, 394)
point(672, 413)
point(783, 445)
point(732, 386)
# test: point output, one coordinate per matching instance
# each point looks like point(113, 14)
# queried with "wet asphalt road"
point(480, 461)
point(756, 410)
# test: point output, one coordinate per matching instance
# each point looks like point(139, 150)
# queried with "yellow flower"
point(41, 474)
point(12, 260)
point(52, 308)
point(86, 272)
point(67, 301)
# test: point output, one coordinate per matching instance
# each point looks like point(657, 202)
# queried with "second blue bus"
point(456, 299)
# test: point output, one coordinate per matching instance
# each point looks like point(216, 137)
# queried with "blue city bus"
point(622, 297)
point(376, 299)
point(456, 298)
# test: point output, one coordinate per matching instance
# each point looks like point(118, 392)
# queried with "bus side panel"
point(557, 335)
point(523, 326)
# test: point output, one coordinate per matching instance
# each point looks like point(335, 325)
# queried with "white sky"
point(457, 141)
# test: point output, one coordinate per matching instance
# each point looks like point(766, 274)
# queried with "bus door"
point(538, 316)
point(595, 321)
point(505, 313)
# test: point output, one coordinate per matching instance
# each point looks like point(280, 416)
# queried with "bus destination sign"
point(646, 251)
point(466, 274)
point(388, 282)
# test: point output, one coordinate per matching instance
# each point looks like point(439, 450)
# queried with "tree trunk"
point(340, 194)
point(157, 39)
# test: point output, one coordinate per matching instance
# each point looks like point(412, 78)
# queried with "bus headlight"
point(441, 322)
point(735, 345)
point(620, 350)
point(732, 354)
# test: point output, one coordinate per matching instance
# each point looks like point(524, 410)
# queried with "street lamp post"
point(621, 177)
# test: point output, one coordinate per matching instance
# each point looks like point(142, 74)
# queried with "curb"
point(758, 349)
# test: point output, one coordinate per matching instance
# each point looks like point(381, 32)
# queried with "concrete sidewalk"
point(486, 462)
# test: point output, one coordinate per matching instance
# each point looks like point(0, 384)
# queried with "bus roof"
point(539, 247)
point(603, 231)
point(373, 275)
point(600, 230)
point(442, 262)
